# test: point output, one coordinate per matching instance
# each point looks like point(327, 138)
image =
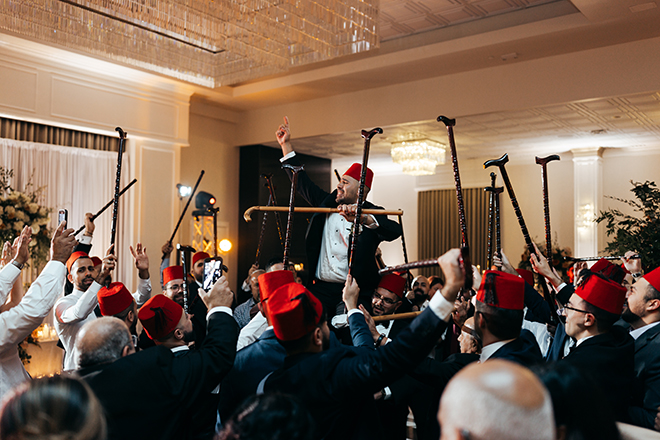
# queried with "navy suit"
point(523, 350)
point(150, 394)
point(365, 270)
point(646, 389)
point(266, 355)
point(338, 385)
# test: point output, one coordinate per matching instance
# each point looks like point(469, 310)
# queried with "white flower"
point(35, 228)
point(18, 225)
point(20, 215)
point(33, 208)
point(2, 209)
point(43, 221)
point(10, 212)
point(43, 212)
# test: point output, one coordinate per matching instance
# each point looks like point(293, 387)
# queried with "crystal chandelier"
point(418, 154)
point(206, 42)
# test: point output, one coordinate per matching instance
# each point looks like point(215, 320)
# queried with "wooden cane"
point(247, 215)
point(262, 233)
point(409, 266)
point(500, 163)
point(271, 191)
point(192, 194)
point(115, 203)
point(292, 200)
point(491, 220)
point(395, 316)
point(609, 257)
point(405, 253)
point(367, 135)
point(182, 252)
point(543, 161)
point(107, 205)
point(465, 246)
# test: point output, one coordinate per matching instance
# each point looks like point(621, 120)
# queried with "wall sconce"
point(585, 217)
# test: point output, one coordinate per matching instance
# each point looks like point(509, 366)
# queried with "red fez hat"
point(609, 270)
point(355, 172)
point(653, 278)
point(526, 275)
point(96, 261)
point(393, 283)
point(159, 316)
point(293, 311)
point(502, 290)
point(200, 256)
point(602, 293)
point(172, 273)
point(72, 259)
point(271, 281)
point(114, 299)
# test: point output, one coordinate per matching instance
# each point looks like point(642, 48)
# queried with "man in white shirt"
point(21, 320)
point(76, 309)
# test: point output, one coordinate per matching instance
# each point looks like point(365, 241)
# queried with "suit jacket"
point(149, 394)
point(646, 388)
point(608, 359)
point(365, 270)
point(338, 385)
point(523, 350)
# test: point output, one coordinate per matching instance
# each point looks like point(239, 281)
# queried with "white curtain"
point(79, 180)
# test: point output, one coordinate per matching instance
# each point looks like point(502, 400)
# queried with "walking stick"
point(465, 246)
point(115, 203)
point(543, 161)
point(500, 163)
point(271, 191)
point(192, 194)
point(367, 135)
point(289, 222)
point(107, 205)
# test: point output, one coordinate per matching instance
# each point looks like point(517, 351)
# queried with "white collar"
point(179, 348)
point(640, 331)
point(490, 349)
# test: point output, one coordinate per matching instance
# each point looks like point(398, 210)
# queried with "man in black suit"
point(498, 320)
point(338, 384)
point(642, 311)
point(149, 394)
point(328, 236)
point(603, 351)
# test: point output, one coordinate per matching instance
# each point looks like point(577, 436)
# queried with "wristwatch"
point(17, 264)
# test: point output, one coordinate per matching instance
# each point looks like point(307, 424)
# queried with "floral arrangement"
point(563, 267)
point(18, 209)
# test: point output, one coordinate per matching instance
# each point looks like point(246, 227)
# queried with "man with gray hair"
point(496, 400)
point(149, 394)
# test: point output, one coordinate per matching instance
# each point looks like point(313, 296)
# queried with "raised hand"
point(62, 244)
point(141, 260)
point(20, 251)
point(350, 293)
point(452, 267)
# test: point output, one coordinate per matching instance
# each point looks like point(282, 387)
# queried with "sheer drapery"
point(79, 180)
point(438, 229)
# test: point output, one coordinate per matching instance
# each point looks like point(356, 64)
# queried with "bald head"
point(103, 340)
point(497, 400)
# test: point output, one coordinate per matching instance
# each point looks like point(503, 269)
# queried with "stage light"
point(184, 191)
point(225, 245)
point(204, 200)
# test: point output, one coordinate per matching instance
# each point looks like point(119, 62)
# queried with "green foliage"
point(631, 233)
point(22, 349)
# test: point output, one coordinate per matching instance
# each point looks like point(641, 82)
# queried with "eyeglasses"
point(388, 301)
point(175, 287)
point(562, 311)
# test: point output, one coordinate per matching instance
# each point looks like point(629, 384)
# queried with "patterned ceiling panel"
point(626, 121)
point(399, 18)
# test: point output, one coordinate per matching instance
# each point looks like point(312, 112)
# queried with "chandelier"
point(418, 154)
point(206, 42)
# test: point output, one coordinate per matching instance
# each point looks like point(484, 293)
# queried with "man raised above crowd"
point(328, 235)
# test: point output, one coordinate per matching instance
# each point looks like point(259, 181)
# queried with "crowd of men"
point(330, 359)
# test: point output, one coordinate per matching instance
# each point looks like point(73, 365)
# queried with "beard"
point(419, 294)
point(629, 316)
point(188, 337)
point(326, 342)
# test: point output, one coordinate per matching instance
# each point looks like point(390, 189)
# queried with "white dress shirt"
point(21, 320)
point(77, 309)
